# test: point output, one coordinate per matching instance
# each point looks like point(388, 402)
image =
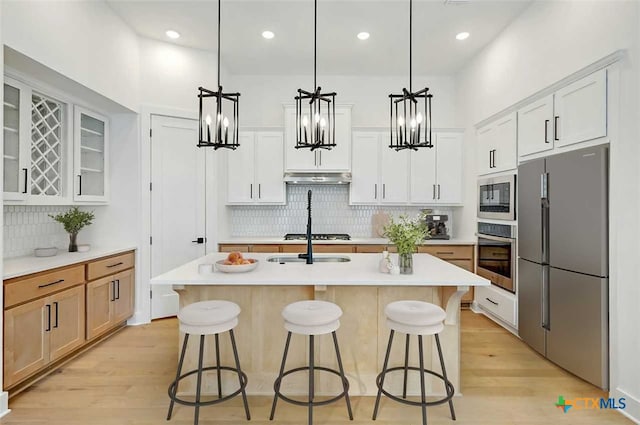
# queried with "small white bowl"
point(84, 248)
point(45, 252)
point(241, 268)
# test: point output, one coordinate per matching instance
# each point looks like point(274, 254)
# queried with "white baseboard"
point(4, 403)
point(632, 410)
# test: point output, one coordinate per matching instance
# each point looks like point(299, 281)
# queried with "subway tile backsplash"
point(30, 227)
point(331, 213)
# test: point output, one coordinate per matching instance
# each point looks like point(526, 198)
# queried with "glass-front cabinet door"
point(16, 140)
point(91, 134)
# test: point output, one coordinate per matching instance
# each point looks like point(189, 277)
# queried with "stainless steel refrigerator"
point(563, 265)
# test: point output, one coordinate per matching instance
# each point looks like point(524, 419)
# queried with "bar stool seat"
point(415, 318)
point(311, 318)
point(208, 318)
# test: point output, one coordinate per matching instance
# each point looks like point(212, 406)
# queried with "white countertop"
point(353, 241)
point(21, 266)
point(362, 270)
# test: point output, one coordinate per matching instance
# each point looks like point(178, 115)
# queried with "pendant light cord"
point(315, 35)
point(219, 1)
point(410, 44)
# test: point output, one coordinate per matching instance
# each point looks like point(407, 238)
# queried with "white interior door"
point(177, 203)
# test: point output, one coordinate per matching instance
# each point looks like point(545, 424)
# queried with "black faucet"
point(309, 254)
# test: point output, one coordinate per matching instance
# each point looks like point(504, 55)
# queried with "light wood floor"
point(124, 381)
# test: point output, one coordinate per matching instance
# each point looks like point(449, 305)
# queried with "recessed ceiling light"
point(172, 34)
point(462, 36)
point(268, 34)
point(363, 35)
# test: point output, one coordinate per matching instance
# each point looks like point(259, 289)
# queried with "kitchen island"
point(356, 286)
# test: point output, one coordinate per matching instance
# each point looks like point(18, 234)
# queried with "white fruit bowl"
point(242, 268)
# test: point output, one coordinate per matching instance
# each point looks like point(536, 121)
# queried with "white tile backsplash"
point(30, 227)
point(331, 213)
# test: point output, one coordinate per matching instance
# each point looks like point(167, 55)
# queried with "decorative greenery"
point(406, 233)
point(74, 219)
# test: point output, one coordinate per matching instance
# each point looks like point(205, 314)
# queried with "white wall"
point(549, 41)
point(262, 97)
point(83, 40)
point(4, 397)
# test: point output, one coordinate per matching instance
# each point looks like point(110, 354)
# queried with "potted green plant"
point(406, 234)
point(73, 221)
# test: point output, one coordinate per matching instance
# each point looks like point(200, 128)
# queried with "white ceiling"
point(244, 51)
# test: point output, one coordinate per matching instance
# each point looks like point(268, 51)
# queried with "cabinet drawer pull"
point(79, 184)
point(52, 283)
point(546, 131)
point(48, 318)
point(25, 180)
point(555, 127)
point(444, 253)
point(491, 301)
point(113, 290)
point(116, 264)
point(117, 288)
point(55, 303)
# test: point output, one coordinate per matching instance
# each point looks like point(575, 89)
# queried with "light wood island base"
point(363, 336)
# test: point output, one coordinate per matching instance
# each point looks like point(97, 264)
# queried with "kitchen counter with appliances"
point(356, 286)
point(21, 266)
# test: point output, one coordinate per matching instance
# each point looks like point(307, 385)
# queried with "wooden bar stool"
point(208, 318)
point(311, 318)
point(415, 318)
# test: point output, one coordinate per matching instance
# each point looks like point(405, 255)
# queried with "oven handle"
point(495, 238)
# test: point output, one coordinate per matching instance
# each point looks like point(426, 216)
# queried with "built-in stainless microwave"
point(497, 198)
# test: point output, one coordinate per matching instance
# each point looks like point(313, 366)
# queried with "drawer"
point(319, 249)
point(233, 248)
point(110, 265)
point(448, 252)
point(264, 248)
point(23, 289)
point(497, 302)
point(465, 264)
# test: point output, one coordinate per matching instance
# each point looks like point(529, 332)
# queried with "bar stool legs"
point(345, 385)
point(382, 375)
point(172, 394)
point(240, 375)
point(444, 373)
point(276, 386)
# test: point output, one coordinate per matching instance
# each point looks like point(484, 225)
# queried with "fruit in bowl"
point(235, 262)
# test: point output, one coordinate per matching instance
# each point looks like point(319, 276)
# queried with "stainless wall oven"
point(497, 254)
point(497, 198)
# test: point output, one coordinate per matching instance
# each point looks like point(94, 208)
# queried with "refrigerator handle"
point(546, 323)
point(544, 212)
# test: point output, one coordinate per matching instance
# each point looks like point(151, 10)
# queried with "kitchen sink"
point(319, 259)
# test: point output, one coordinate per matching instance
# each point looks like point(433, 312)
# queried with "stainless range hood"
point(317, 178)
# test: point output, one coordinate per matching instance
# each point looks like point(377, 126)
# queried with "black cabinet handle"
point(51, 283)
point(491, 301)
point(117, 286)
point(198, 240)
point(546, 131)
point(116, 264)
point(113, 290)
point(79, 184)
point(384, 191)
point(251, 190)
point(490, 156)
point(375, 191)
point(434, 192)
point(48, 306)
point(444, 253)
point(24, 170)
point(259, 191)
point(438, 190)
point(55, 303)
point(555, 127)
point(320, 152)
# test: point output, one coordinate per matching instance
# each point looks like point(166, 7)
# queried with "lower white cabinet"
point(498, 303)
point(255, 169)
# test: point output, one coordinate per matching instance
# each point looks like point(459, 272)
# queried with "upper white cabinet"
point(255, 169)
point(16, 140)
point(436, 174)
point(497, 145)
point(573, 114)
point(581, 110)
point(535, 127)
point(336, 159)
point(381, 175)
point(90, 156)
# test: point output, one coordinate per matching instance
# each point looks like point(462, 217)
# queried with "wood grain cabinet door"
point(123, 302)
point(100, 297)
point(67, 322)
point(26, 340)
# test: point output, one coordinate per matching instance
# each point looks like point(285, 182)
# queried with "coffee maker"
point(436, 226)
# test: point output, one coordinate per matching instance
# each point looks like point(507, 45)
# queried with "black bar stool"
point(208, 318)
point(415, 318)
point(311, 318)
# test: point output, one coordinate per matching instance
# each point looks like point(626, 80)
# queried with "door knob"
point(199, 240)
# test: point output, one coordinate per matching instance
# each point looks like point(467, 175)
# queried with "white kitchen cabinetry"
point(336, 159)
point(497, 145)
point(436, 173)
point(90, 156)
point(394, 173)
point(16, 132)
point(581, 110)
point(573, 114)
point(255, 169)
point(535, 127)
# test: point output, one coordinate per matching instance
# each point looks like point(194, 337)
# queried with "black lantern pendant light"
point(315, 111)
point(410, 112)
point(222, 133)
